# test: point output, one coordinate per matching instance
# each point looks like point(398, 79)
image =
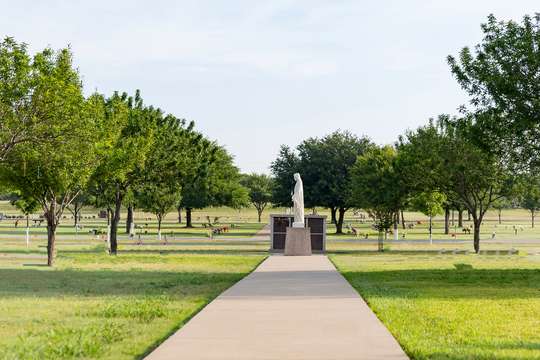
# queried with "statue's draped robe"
point(298, 202)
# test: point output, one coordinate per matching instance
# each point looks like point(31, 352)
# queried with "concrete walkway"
point(288, 308)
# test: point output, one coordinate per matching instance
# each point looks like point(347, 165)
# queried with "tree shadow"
point(27, 282)
point(457, 283)
point(142, 251)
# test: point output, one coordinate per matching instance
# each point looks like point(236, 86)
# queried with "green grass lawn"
point(91, 305)
point(452, 307)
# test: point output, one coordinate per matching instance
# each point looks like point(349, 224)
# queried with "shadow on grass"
point(164, 251)
point(490, 351)
point(52, 283)
point(374, 251)
point(460, 282)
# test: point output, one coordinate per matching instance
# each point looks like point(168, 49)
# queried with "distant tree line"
point(485, 158)
point(61, 150)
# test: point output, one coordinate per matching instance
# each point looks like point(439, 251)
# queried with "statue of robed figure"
point(298, 202)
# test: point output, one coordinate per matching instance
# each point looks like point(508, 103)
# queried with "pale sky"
point(257, 74)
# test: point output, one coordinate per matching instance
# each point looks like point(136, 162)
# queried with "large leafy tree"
point(27, 206)
point(23, 116)
point(123, 157)
point(529, 194)
point(324, 164)
point(53, 172)
point(431, 204)
point(159, 185)
point(374, 183)
point(215, 181)
point(260, 191)
point(501, 76)
point(444, 157)
point(283, 168)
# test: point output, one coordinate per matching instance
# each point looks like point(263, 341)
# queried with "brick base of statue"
point(297, 242)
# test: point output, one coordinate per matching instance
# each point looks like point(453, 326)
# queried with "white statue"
point(298, 202)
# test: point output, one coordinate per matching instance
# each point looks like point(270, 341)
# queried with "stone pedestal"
point(297, 242)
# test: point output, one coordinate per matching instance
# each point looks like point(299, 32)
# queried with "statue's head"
point(296, 176)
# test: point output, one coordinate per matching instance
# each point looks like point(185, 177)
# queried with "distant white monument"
point(298, 202)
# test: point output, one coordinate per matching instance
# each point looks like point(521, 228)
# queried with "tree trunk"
point(430, 230)
point(259, 213)
point(129, 218)
point(468, 215)
point(51, 234)
point(453, 217)
point(188, 218)
point(476, 240)
point(500, 213)
point(446, 220)
point(159, 218)
point(532, 219)
point(402, 220)
point(76, 211)
point(333, 215)
point(114, 222)
point(179, 215)
point(460, 218)
point(339, 224)
point(27, 230)
point(396, 223)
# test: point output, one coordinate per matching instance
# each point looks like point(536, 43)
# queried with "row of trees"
point(61, 150)
point(485, 158)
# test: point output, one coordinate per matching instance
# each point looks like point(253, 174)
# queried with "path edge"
point(369, 305)
point(175, 329)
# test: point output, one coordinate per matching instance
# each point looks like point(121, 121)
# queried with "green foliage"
point(26, 205)
point(283, 168)
point(260, 190)
point(324, 164)
point(25, 93)
point(216, 181)
point(500, 75)
point(430, 203)
point(375, 185)
point(445, 158)
point(529, 194)
point(52, 172)
point(157, 188)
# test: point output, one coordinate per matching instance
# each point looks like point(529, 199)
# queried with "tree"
point(529, 189)
point(283, 168)
point(446, 158)
point(27, 206)
point(324, 164)
point(131, 127)
point(500, 205)
point(76, 206)
point(501, 76)
point(373, 180)
point(215, 181)
point(158, 187)
point(53, 172)
point(22, 120)
point(260, 191)
point(430, 203)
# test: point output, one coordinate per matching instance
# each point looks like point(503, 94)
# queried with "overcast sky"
point(257, 74)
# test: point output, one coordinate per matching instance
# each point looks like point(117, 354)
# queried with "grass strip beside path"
point(92, 305)
point(452, 307)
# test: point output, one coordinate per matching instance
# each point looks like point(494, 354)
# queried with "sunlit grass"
point(92, 305)
point(453, 307)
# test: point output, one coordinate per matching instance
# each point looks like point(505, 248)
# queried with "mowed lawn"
point(452, 307)
point(91, 305)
